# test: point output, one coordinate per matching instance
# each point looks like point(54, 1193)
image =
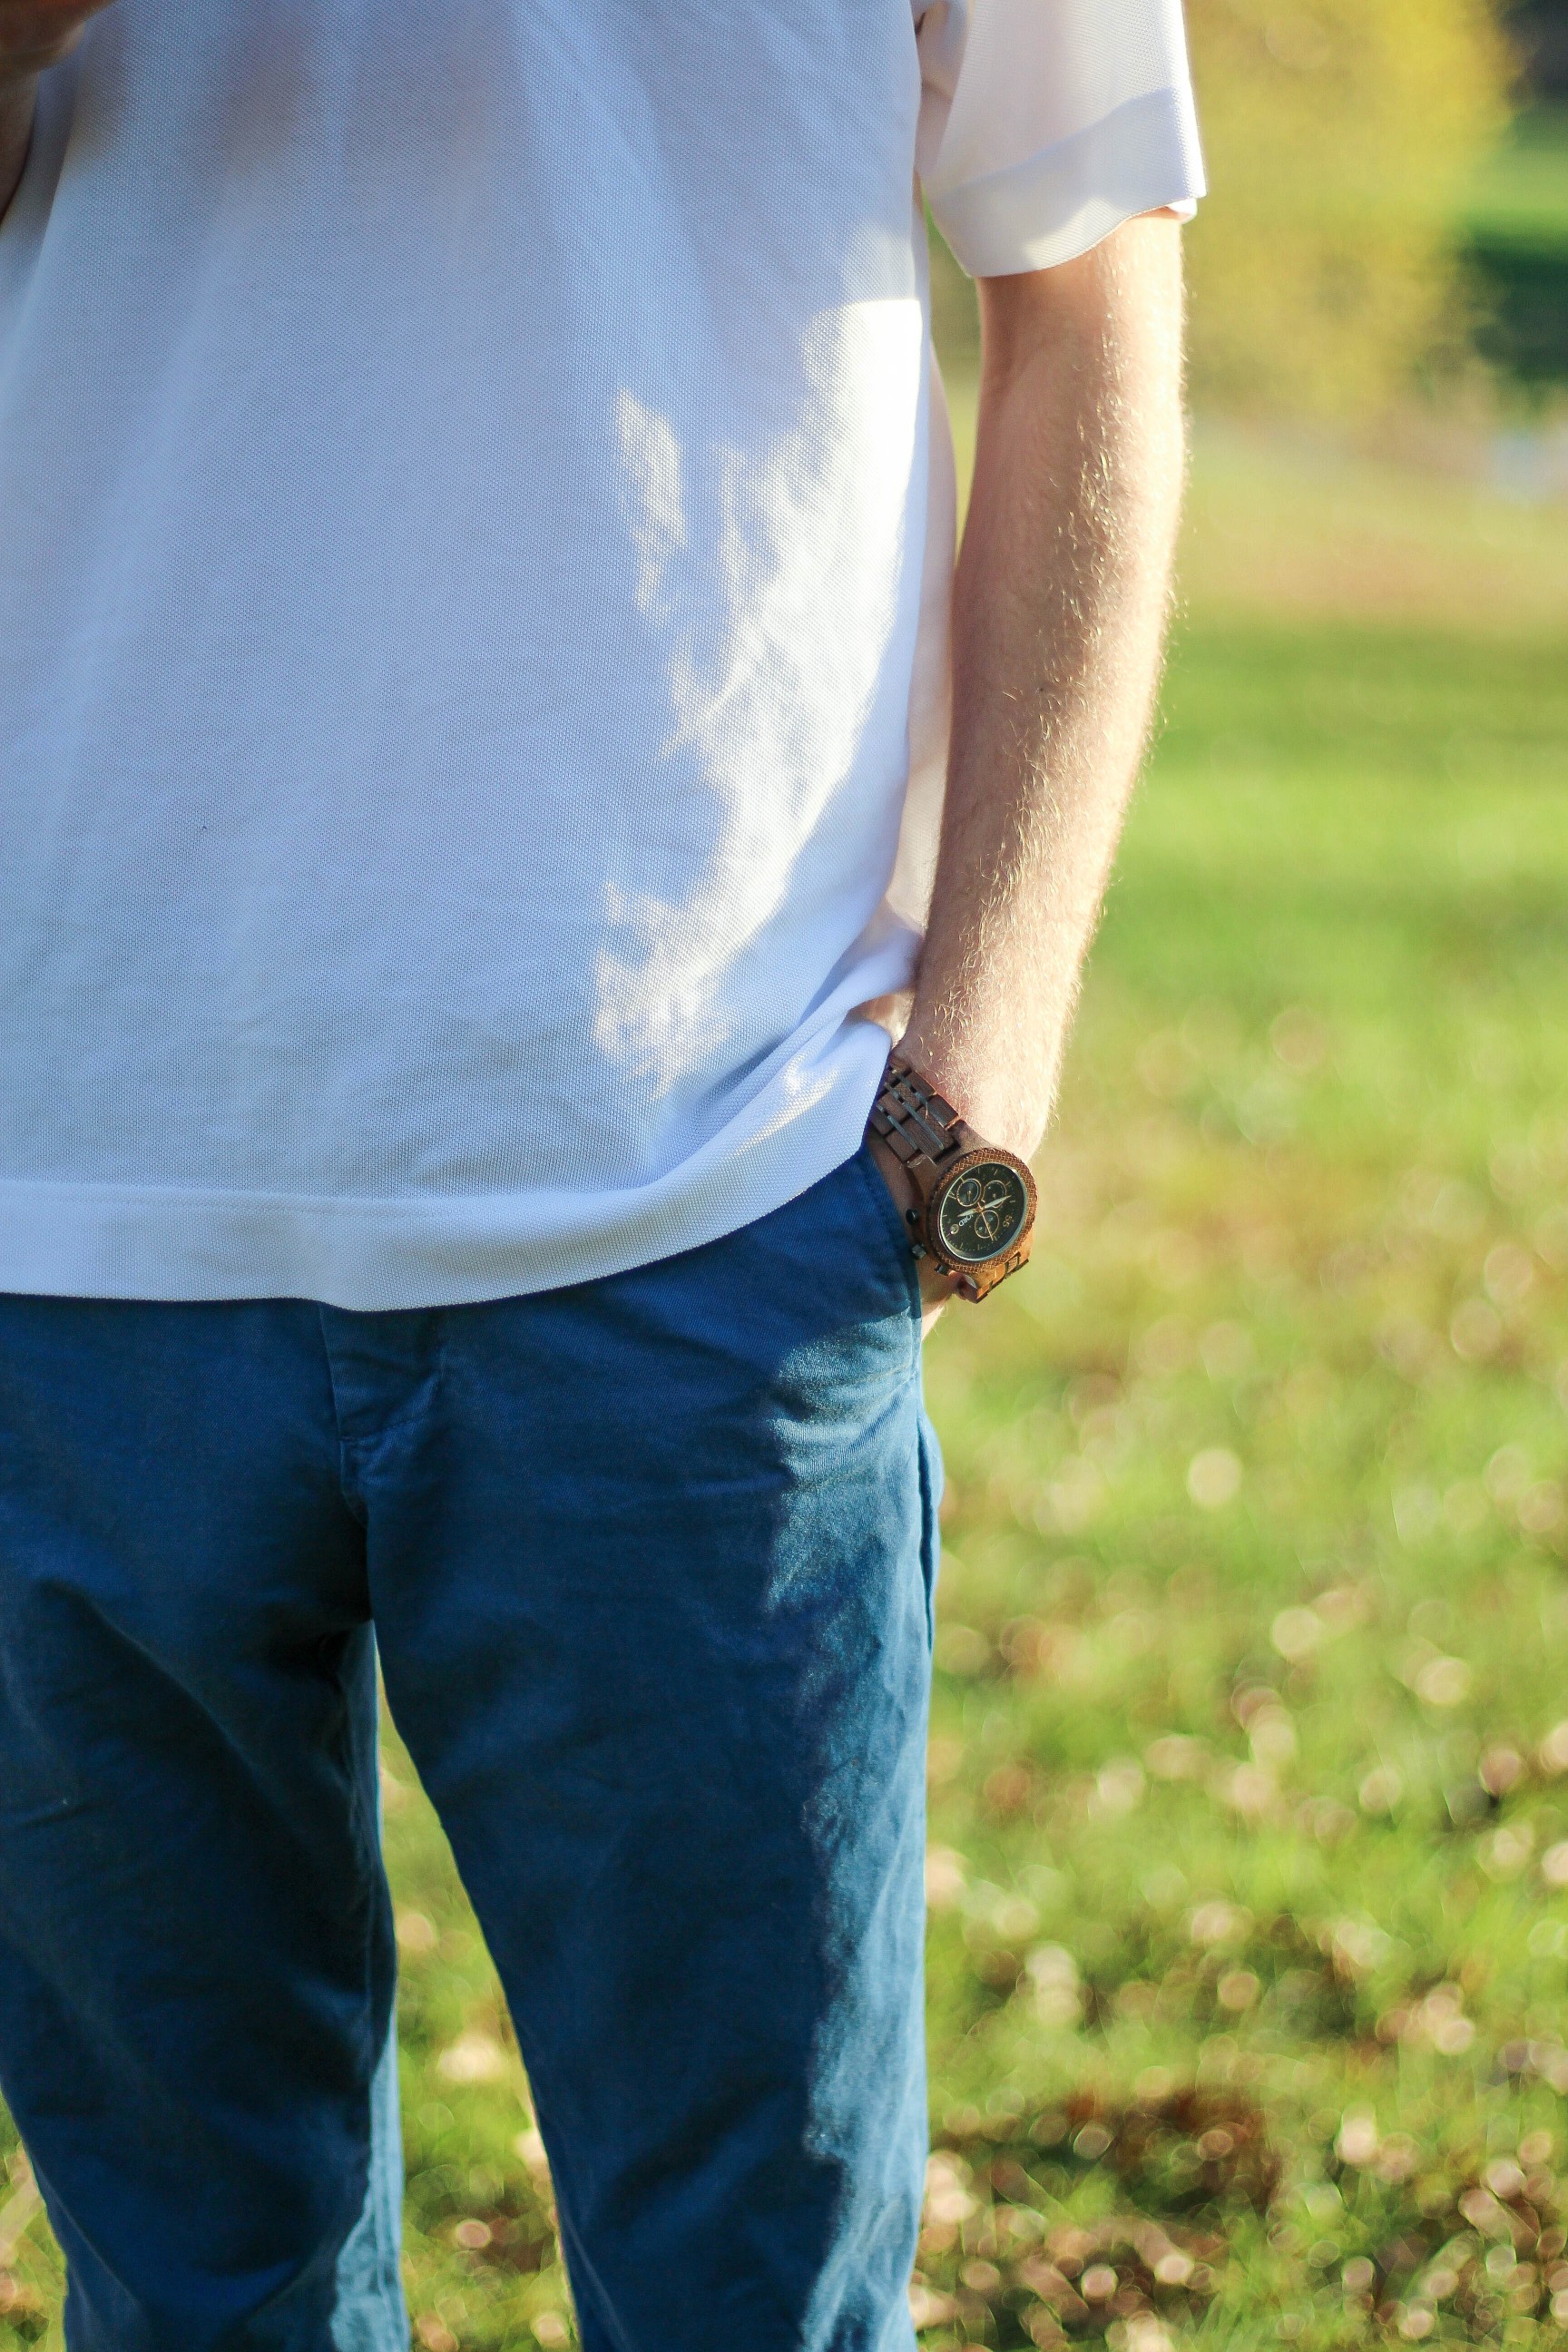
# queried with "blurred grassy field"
point(1249, 1770)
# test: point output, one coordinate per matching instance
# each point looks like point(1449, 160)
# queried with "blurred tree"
point(1538, 31)
point(1340, 136)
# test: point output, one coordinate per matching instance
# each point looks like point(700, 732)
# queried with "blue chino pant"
point(648, 1564)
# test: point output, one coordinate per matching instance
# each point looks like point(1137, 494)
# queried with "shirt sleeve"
point(1046, 124)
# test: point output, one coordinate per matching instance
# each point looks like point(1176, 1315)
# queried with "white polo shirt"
point(475, 540)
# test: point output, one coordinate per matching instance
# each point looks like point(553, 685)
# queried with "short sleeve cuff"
point(1064, 200)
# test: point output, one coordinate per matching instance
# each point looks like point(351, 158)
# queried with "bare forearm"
point(1060, 611)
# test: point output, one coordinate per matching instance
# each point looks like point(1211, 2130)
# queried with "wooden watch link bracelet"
point(975, 1214)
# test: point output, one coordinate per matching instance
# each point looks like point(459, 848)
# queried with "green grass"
point(1255, 1618)
point(1249, 1809)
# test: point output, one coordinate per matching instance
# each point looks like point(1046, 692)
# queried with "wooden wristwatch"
point(974, 1212)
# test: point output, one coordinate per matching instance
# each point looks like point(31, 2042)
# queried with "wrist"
point(969, 1204)
point(989, 1094)
point(936, 1287)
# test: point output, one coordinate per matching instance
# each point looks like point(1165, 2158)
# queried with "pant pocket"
point(891, 1233)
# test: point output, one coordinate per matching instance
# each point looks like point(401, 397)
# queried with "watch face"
point(981, 1212)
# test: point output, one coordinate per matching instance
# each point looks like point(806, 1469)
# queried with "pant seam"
point(351, 1497)
point(374, 2054)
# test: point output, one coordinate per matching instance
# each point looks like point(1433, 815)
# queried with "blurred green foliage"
point(1373, 217)
point(1521, 193)
point(1516, 240)
point(1341, 136)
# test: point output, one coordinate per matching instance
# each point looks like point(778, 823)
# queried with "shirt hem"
point(153, 1244)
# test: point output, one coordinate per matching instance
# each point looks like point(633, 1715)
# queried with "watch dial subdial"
point(980, 1212)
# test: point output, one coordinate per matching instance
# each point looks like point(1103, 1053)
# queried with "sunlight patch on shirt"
point(773, 585)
